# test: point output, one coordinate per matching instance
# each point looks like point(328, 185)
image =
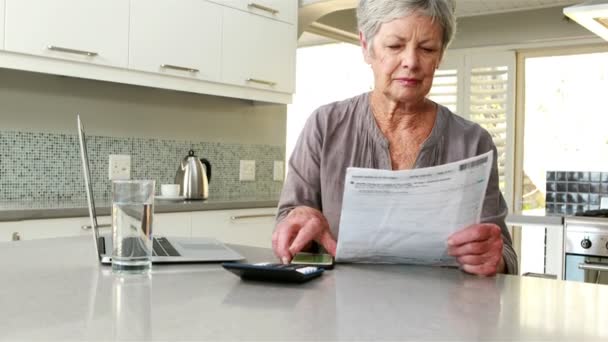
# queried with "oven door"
point(586, 269)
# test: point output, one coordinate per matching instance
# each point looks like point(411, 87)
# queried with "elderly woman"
point(393, 127)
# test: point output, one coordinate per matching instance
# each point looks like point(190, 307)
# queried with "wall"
point(46, 103)
point(39, 149)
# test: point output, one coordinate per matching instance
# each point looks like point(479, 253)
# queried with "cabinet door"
point(50, 228)
point(83, 30)
point(180, 38)
point(173, 224)
point(258, 52)
point(10, 230)
point(250, 227)
point(1, 24)
point(283, 10)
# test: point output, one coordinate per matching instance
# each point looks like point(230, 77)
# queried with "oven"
point(586, 249)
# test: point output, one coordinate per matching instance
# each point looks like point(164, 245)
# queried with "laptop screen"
point(89, 187)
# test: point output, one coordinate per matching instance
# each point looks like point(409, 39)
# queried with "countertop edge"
point(529, 220)
point(9, 215)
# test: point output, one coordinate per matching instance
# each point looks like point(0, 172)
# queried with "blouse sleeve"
point(302, 185)
point(495, 208)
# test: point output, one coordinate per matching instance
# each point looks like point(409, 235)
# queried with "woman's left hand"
point(478, 249)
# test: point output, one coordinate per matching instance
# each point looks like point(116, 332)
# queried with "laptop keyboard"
point(162, 247)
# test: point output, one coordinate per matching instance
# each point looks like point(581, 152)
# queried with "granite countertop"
point(32, 210)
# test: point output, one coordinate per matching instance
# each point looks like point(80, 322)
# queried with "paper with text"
point(407, 216)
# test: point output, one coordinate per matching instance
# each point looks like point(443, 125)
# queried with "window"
point(480, 87)
point(324, 74)
point(564, 129)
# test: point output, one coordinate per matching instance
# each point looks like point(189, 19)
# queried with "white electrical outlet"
point(120, 166)
point(604, 202)
point(277, 171)
point(247, 170)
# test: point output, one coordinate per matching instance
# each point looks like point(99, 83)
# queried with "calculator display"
point(312, 259)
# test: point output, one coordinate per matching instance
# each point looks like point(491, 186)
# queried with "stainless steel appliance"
point(586, 249)
point(193, 178)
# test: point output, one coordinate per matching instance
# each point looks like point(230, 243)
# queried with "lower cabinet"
point(48, 228)
point(172, 224)
point(251, 227)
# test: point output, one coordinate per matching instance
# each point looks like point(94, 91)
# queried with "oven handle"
point(593, 267)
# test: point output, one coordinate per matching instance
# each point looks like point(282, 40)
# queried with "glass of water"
point(132, 217)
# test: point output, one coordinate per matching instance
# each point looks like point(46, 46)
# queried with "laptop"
point(165, 249)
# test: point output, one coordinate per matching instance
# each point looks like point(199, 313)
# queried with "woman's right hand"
point(298, 229)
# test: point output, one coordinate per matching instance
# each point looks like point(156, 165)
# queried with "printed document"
point(407, 216)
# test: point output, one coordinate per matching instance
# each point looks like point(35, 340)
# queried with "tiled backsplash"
point(569, 192)
point(47, 166)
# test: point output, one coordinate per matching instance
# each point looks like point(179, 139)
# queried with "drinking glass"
point(132, 217)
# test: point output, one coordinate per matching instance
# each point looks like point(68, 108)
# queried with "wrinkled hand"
point(478, 249)
point(302, 226)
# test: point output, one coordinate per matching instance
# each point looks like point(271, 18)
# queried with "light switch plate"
point(278, 170)
point(120, 166)
point(247, 170)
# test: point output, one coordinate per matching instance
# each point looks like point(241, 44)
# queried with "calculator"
point(274, 272)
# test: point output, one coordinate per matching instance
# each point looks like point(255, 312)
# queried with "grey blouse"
point(344, 134)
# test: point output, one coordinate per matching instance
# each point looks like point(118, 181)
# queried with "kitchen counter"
point(70, 297)
point(545, 221)
point(31, 210)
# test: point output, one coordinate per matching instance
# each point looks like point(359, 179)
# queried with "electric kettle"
point(193, 178)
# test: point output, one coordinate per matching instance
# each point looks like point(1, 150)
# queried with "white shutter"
point(483, 92)
point(445, 88)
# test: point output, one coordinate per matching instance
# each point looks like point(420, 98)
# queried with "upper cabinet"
point(231, 48)
point(83, 30)
point(263, 56)
point(180, 38)
point(283, 10)
point(1, 24)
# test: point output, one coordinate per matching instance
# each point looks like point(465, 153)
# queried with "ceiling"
point(340, 14)
point(468, 8)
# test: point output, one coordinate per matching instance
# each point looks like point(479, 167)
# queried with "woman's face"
point(406, 52)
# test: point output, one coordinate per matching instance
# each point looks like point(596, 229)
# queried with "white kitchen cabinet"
point(260, 56)
point(179, 38)
point(2, 24)
point(49, 228)
point(172, 224)
point(10, 230)
point(251, 227)
point(89, 31)
point(283, 10)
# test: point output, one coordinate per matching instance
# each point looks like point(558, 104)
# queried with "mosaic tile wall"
point(569, 192)
point(46, 166)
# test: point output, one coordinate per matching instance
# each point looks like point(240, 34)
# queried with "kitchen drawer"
point(49, 228)
point(283, 10)
point(88, 31)
point(172, 224)
point(250, 227)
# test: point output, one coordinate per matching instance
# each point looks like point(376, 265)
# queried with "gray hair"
point(371, 14)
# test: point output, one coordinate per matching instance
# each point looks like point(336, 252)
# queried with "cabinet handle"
point(255, 80)
point(16, 236)
point(88, 227)
point(263, 8)
point(177, 67)
point(244, 217)
point(77, 52)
